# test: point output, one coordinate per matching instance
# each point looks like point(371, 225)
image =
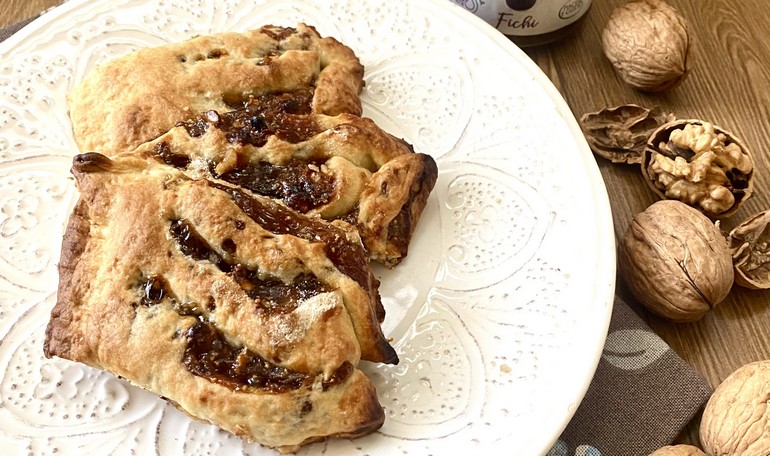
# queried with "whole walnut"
point(736, 420)
point(676, 261)
point(648, 44)
point(678, 450)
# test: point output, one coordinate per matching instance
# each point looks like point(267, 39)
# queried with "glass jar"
point(530, 22)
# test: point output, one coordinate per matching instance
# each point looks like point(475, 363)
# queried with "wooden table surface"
point(729, 86)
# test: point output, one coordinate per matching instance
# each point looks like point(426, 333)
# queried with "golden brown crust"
point(391, 204)
point(135, 98)
point(58, 339)
point(380, 185)
point(247, 301)
point(121, 235)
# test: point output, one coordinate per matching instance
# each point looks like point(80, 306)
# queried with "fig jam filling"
point(275, 293)
point(255, 118)
point(208, 354)
point(278, 33)
point(348, 257)
point(163, 151)
point(301, 186)
point(340, 375)
point(298, 101)
point(156, 290)
point(270, 294)
point(400, 228)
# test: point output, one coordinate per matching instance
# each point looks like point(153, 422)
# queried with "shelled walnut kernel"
point(699, 164)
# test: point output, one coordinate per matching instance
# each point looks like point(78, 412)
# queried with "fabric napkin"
point(642, 394)
point(641, 397)
point(6, 32)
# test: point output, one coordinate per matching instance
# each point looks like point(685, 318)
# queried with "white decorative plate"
point(499, 313)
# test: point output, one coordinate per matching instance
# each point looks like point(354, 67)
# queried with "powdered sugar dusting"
point(293, 327)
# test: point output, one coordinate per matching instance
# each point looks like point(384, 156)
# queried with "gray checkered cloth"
point(6, 32)
point(642, 395)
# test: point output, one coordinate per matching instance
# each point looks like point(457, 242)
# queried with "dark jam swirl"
point(348, 257)
point(300, 185)
point(254, 119)
point(270, 294)
point(298, 101)
point(163, 151)
point(208, 354)
point(156, 290)
point(192, 244)
point(274, 294)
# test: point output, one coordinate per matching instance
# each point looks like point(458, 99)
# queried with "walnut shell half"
point(750, 246)
point(736, 420)
point(675, 261)
point(700, 164)
point(620, 134)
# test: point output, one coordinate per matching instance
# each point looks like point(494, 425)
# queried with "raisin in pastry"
point(240, 311)
point(137, 97)
point(340, 167)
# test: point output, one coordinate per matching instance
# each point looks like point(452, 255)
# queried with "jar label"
point(527, 17)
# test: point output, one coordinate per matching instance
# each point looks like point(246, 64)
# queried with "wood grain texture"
point(729, 86)
point(12, 11)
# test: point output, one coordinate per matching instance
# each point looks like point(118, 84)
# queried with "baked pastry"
point(237, 309)
point(140, 96)
point(284, 97)
point(340, 167)
point(219, 253)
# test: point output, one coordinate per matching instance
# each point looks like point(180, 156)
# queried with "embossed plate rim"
point(605, 289)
